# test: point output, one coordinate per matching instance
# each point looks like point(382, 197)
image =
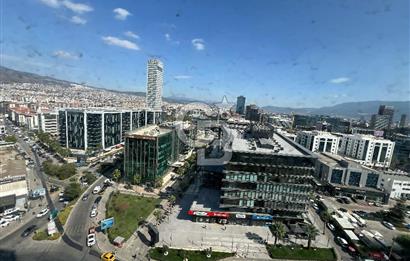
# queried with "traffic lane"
point(332, 238)
point(15, 238)
point(79, 220)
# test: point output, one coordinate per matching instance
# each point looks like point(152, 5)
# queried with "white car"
point(10, 218)
point(4, 223)
point(389, 225)
point(91, 240)
point(61, 194)
point(42, 213)
point(331, 227)
point(93, 213)
point(96, 189)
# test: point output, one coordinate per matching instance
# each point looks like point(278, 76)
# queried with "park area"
point(301, 253)
point(128, 211)
point(180, 254)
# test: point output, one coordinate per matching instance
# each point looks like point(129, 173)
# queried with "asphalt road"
point(79, 221)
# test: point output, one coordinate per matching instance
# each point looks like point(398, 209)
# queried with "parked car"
point(341, 241)
point(42, 213)
point(53, 188)
point(11, 218)
point(96, 189)
point(331, 227)
point(85, 197)
point(97, 200)
point(91, 239)
point(315, 206)
point(28, 231)
point(91, 230)
point(108, 256)
point(343, 209)
point(340, 200)
point(93, 213)
point(4, 223)
point(388, 225)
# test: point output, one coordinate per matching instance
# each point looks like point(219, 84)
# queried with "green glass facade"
point(149, 156)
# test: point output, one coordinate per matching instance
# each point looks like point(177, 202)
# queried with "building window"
point(337, 175)
point(354, 178)
point(371, 180)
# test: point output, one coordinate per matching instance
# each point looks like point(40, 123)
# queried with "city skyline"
point(359, 55)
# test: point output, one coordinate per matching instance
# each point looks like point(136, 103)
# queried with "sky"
point(296, 53)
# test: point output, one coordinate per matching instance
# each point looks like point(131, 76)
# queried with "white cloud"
point(65, 55)
point(78, 20)
point(111, 40)
point(121, 13)
point(169, 39)
point(51, 3)
point(182, 77)
point(340, 80)
point(198, 44)
point(132, 35)
point(77, 7)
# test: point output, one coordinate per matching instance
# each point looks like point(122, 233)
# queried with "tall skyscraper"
point(154, 84)
point(403, 121)
point(384, 119)
point(240, 105)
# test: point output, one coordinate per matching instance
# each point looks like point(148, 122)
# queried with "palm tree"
point(278, 229)
point(311, 232)
point(326, 218)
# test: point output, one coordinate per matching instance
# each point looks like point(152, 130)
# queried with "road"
point(14, 247)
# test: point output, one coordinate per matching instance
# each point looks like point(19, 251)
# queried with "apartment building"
point(367, 150)
point(318, 141)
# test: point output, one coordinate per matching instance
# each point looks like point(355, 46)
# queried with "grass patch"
point(178, 255)
point(65, 213)
point(128, 211)
point(299, 253)
point(42, 235)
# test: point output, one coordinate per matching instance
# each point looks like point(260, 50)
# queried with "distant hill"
point(12, 76)
point(348, 109)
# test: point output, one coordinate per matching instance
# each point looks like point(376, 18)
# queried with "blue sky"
point(298, 53)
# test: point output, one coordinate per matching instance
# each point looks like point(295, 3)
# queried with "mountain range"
point(348, 110)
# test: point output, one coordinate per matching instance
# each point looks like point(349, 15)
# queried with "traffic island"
point(128, 211)
point(170, 254)
point(301, 253)
point(42, 234)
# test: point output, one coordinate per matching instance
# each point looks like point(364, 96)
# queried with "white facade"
point(398, 186)
point(48, 122)
point(367, 150)
point(318, 141)
point(154, 84)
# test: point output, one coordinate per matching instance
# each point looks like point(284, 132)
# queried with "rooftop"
point(148, 131)
point(12, 168)
point(278, 143)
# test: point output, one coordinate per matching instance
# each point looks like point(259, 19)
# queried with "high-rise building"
point(253, 113)
point(48, 122)
point(148, 153)
point(240, 105)
point(384, 118)
point(318, 141)
point(268, 179)
point(98, 128)
point(154, 84)
point(403, 121)
point(367, 150)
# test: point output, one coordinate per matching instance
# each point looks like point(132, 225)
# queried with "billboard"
point(107, 223)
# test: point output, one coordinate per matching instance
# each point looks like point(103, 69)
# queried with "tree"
point(136, 179)
point(278, 230)
point(157, 214)
point(158, 182)
point(116, 175)
point(326, 219)
point(10, 138)
point(172, 199)
point(311, 232)
point(397, 213)
point(72, 191)
point(165, 250)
